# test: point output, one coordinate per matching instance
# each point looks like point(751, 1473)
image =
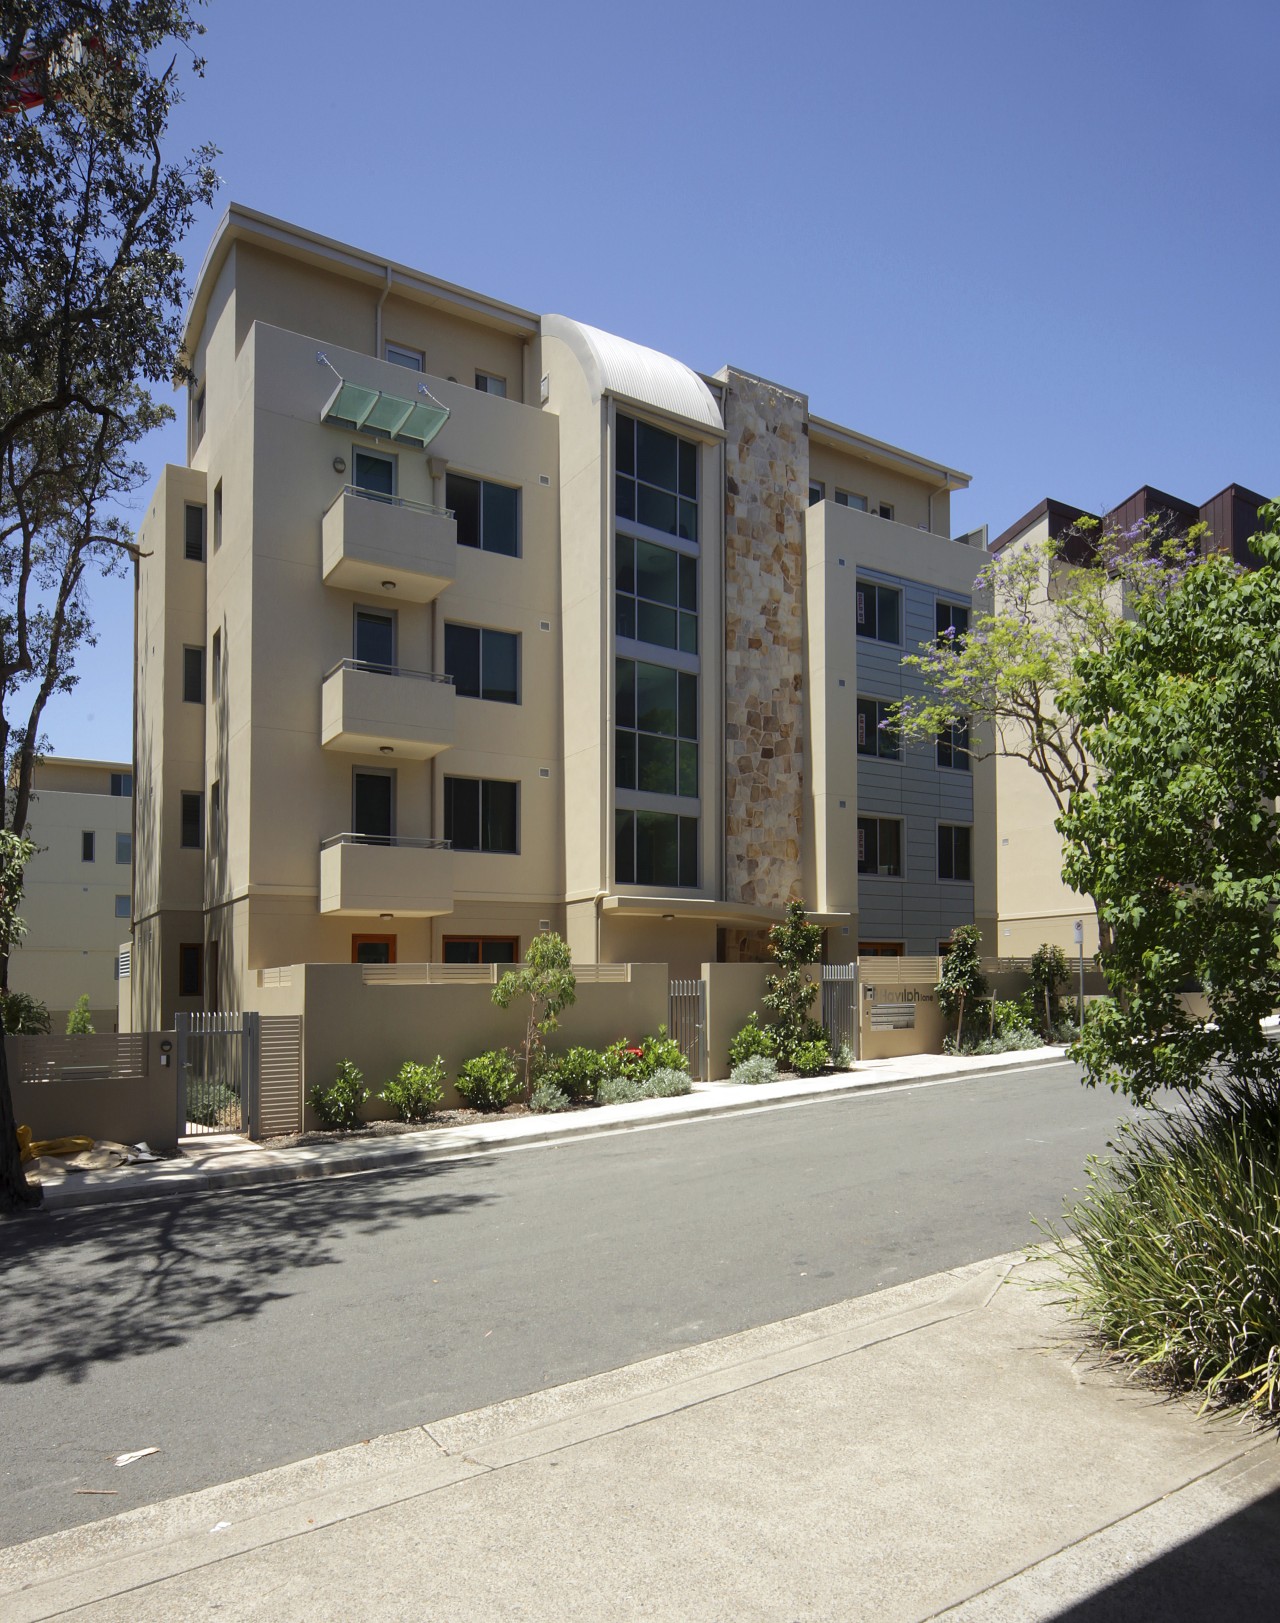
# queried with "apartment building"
point(1034, 904)
point(462, 622)
point(77, 889)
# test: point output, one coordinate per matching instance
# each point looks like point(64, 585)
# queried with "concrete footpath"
point(938, 1449)
point(224, 1161)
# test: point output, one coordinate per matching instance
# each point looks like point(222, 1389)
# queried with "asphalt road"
point(243, 1330)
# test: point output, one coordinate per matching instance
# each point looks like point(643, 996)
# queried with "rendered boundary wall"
point(379, 1024)
point(733, 992)
point(125, 1107)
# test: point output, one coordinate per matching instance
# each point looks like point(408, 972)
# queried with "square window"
point(880, 846)
point(88, 843)
point(878, 611)
point(484, 664)
point(885, 509)
point(487, 515)
point(124, 849)
point(487, 383)
point(373, 474)
point(193, 675)
point(122, 784)
point(122, 907)
point(402, 355)
point(482, 814)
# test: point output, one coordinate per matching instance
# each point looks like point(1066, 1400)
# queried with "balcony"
point(387, 873)
point(381, 545)
point(370, 709)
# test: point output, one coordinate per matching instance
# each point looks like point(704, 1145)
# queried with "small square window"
point(487, 383)
point(885, 509)
point(88, 843)
point(124, 849)
point(412, 360)
point(122, 907)
point(122, 784)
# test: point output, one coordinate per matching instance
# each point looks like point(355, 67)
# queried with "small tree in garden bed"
point(547, 980)
point(339, 1105)
point(963, 982)
point(795, 943)
point(79, 1022)
point(1049, 974)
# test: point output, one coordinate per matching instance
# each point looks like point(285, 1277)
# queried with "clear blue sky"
point(1036, 242)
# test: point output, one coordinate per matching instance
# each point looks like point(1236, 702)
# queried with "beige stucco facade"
point(77, 887)
point(664, 594)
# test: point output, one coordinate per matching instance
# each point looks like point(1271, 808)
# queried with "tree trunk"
point(16, 1194)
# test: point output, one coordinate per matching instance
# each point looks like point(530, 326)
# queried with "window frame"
point(375, 612)
point(89, 844)
point(687, 828)
point(415, 360)
point(875, 753)
point(449, 821)
point(481, 942)
point(635, 732)
point(121, 779)
point(388, 772)
point(819, 485)
point(184, 797)
point(852, 499)
point(481, 482)
point(215, 664)
point(946, 741)
point(188, 508)
point(687, 504)
point(217, 516)
point(953, 829)
point(192, 668)
point(869, 591)
point(196, 950)
point(128, 905)
point(951, 608)
point(491, 377)
point(372, 454)
point(125, 861)
point(634, 598)
point(483, 632)
point(358, 941)
point(886, 510)
point(865, 872)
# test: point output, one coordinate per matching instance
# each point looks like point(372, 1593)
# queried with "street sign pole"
point(1078, 931)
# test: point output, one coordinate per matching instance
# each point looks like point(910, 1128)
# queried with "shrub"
point(1009, 1016)
point(1048, 974)
point(753, 1040)
point(1006, 1043)
point(845, 1060)
point(795, 943)
point(637, 1061)
point(1171, 1255)
point(215, 1105)
point(24, 1015)
point(338, 1105)
point(756, 1068)
point(810, 1057)
point(79, 1023)
point(578, 1073)
point(547, 1097)
point(415, 1092)
point(618, 1090)
point(489, 1081)
point(666, 1083)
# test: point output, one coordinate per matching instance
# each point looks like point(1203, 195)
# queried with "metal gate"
point(217, 1073)
point(840, 1006)
point(687, 1023)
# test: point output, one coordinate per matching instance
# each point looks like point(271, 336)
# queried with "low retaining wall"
point(67, 1087)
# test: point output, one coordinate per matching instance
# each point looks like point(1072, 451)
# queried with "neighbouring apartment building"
point(77, 887)
point(1034, 904)
point(463, 622)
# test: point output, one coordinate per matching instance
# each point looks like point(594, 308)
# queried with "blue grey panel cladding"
point(918, 909)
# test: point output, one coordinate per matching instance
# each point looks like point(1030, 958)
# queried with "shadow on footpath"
point(106, 1284)
point(1229, 1571)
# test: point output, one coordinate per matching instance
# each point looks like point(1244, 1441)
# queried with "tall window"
point(488, 515)
point(880, 846)
point(191, 969)
point(215, 812)
point(193, 675)
point(482, 814)
point(657, 597)
point(953, 747)
point(955, 851)
point(192, 820)
point(122, 907)
point(374, 642)
point(215, 665)
point(817, 492)
point(656, 848)
point(657, 737)
point(124, 849)
point(484, 664)
point(122, 784)
point(875, 735)
point(373, 473)
point(878, 611)
point(657, 478)
point(373, 806)
point(193, 538)
point(951, 622)
point(217, 515)
point(88, 844)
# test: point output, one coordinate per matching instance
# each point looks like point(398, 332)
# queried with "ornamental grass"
point(1173, 1253)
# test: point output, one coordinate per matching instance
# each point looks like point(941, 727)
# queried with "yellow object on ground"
point(32, 1150)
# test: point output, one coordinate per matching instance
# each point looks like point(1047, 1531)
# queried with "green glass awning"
point(392, 417)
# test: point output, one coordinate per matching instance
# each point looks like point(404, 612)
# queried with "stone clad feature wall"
point(766, 495)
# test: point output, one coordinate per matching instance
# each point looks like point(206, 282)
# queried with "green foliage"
point(79, 1023)
point(638, 1061)
point(339, 1105)
point(24, 1015)
point(216, 1106)
point(1049, 974)
point(808, 1058)
point(1177, 840)
point(547, 980)
point(663, 1082)
point(1007, 1042)
point(963, 982)
point(845, 1059)
point(618, 1090)
point(415, 1092)
point(753, 1039)
point(795, 943)
point(489, 1081)
point(1009, 1015)
point(1171, 1255)
point(577, 1072)
point(666, 1082)
point(755, 1069)
point(547, 1098)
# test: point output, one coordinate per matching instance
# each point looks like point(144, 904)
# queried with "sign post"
point(1077, 929)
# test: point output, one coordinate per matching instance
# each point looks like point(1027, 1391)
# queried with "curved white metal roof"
point(615, 365)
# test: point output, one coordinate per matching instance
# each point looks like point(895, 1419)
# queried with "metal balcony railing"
point(390, 501)
point(387, 670)
point(410, 840)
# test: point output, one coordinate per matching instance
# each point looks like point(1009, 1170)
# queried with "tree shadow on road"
point(107, 1284)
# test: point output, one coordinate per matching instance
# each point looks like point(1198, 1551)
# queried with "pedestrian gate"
point(687, 1023)
point(217, 1073)
point(840, 1006)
